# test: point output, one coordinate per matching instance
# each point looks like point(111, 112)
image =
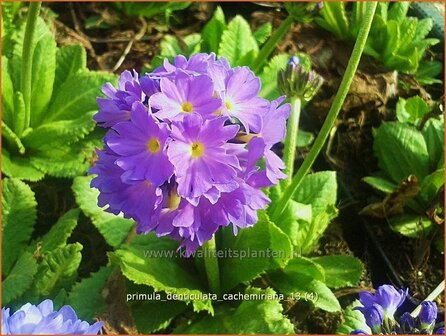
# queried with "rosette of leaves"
point(34, 269)
point(55, 136)
point(396, 40)
point(410, 154)
point(151, 264)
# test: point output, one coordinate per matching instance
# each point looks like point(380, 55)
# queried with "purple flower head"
point(358, 332)
point(185, 95)
point(199, 157)
point(428, 314)
point(387, 296)
point(43, 319)
point(374, 316)
point(117, 106)
point(141, 146)
point(440, 331)
point(175, 158)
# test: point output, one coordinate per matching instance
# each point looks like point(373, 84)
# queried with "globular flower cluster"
point(44, 320)
point(185, 146)
point(379, 312)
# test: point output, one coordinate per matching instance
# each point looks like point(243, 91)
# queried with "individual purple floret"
point(189, 148)
point(43, 319)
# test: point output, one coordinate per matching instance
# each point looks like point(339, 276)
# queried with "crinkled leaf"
point(353, 320)
point(237, 41)
point(305, 266)
point(306, 286)
point(293, 214)
point(268, 77)
point(60, 133)
point(18, 120)
point(411, 110)
point(163, 273)
point(251, 245)
point(262, 33)
point(401, 151)
point(250, 317)
point(433, 133)
point(113, 228)
point(70, 60)
point(213, 30)
point(431, 185)
point(380, 184)
point(412, 226)
point(20, 278)
point(340, 270)
point(398, 11)
point(19, 167)
point(12, 138)
point(334, 19)
point(18, 218)
point(43, 70)
point(72, 100)
point(59, 232)
point(7, 94)
point(59, 267)
point(86, 296)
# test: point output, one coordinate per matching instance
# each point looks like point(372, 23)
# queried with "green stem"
point(271, 44)
point(291, 138)
point(27, 58)
point(211, 265)
point(332, 114)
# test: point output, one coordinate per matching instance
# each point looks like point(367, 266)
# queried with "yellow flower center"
point(187, 107)
point(153, 145)
point(197, 149)
point(228, 105)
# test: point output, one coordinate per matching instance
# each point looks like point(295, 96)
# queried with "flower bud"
point(296, 81)
point(428, 314)
point(374, 317)
point(407, 322)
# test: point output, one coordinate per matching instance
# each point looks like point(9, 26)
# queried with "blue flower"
point(42, 319)
point(374, 316)
point(358, 332)
point(428, 314)
point(387, 296)
point(440, 331)
point(407, 322)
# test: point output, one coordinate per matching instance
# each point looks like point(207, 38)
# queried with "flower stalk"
point(291, 138)
point(332, 114)
point(27, 59)
point(211, 265)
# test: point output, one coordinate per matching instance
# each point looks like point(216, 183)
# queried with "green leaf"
point(380, 184)
point(340, 270)
point(19, 279)
point(412, 226)
point(424, 26)
point(251, 317)
point(319, 190)
point(334, 19)
point(433, 133)
point(401, 151)
point(58, 267)
point(431, 185)
point(353, 320)
point(114, 228)
point(305, 266)
point(70, 60)
point(72, 100)
point(301, 285)
point(411, 110)
point(19, 215)
point(161, 312)
point(213, 30)
point(262, 33)
point(304, 139)
point(59, 232)
point(398, 11)
point(251, 246)
point(43, 70)
point(19, 167)
point(7, 94)
point(163, 273)
point(237, 41)
point(60, 133)
point(268, 77)
point(19, 114)
point(148, 9)
point(12, 138)
point(294, 214)
point(86, 296)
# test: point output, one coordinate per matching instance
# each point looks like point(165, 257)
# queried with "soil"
point(372, 99)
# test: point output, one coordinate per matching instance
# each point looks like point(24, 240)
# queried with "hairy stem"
point(27, 58)
point(289, 153)
point(211, 265)
point(332, 114)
